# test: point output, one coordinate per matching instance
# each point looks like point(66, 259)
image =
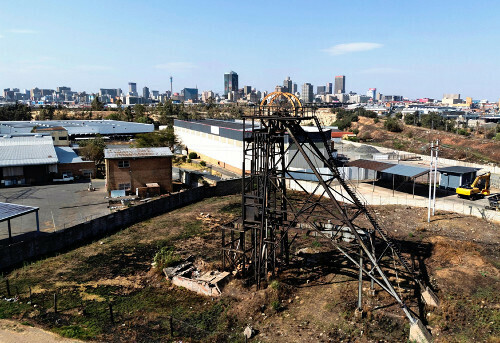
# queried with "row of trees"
point(15, 112)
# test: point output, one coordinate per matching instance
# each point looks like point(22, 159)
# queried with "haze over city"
point(416, 50)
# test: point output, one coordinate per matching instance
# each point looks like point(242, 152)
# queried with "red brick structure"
point(128, 169)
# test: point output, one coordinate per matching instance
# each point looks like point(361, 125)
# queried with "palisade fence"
point(32, 245)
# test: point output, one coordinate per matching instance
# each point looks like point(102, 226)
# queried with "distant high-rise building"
point(63, 89)
point(372, 93)
point(145, 93)
point(288, 85)
point(321, 90)
point(280, 89)
point(329, 88)
point(247, 89)
point(295, 88)
point(230, 82)
point(339, 84)
point(112, 93)
point(307, 93)
point(190, 94)
point(132, 88)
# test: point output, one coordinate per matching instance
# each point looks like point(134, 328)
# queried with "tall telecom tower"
point(171, 91)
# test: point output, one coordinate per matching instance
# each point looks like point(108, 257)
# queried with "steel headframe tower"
point(258, 244)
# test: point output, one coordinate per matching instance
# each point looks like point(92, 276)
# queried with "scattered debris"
point(248, 332)
point(186, 275)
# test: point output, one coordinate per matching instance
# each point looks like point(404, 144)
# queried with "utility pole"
point(435, 177)
point(430, 184)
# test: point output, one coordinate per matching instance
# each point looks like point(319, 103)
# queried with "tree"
point(393, 125)
point(93, 149)
point(162, 138)
point(412, 118)
point(46, 113)
point(15, 112)
point(139, 110)
point(128, 114)
point(96, 104)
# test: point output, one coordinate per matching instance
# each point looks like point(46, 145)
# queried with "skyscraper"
point(145, 93)
point(329, 88)
point(132, 88)
point(307, 93)
point(339, 84)
point(230, 82)
point(372, 92)
point(288, 85)
point(295, 88)
point(321, 90)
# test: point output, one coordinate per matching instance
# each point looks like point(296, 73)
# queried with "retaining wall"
point(32, 245)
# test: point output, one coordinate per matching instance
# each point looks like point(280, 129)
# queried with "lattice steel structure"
point(258, 244)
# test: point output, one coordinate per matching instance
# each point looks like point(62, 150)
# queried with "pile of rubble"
point(186, 275)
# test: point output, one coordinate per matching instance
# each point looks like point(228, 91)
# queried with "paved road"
point(61, 205)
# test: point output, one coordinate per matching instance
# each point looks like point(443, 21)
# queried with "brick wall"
point(140, 172)
point(77, 169)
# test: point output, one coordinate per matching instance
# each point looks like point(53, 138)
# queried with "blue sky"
point(410, 48)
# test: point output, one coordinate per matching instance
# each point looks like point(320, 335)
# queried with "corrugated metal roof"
point(28, 150)
point(372, 165)
point(79, 127)
point(67, 155)
point(406, 170)
point(8, 211)
point(137, 153)
point(458, 170)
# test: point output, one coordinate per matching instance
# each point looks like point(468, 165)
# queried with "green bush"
point(203, 163)
point(376, 120)
point(276, 305)
point(393, 125)
point(193, 155)
point(497, 137)
point(463, 132)
point(275, 284)
point(188, 160)
point(165, 258)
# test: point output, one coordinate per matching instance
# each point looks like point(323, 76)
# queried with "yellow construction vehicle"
point(479, 188)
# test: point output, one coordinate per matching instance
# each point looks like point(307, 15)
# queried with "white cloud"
point(23, 31)
point(89, 67)
point(346, 48)
point(381, 70)
point(176, 66)
point(1, 36)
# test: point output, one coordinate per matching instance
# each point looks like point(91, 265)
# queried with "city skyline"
point(416, 51)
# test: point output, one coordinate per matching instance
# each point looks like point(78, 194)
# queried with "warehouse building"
point(26, 160)
point(220, 142)
point(78, 128)
point(139, 171)
point(33, 159)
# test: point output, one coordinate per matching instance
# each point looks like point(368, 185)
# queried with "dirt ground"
point(312, 301)
point(416, 140)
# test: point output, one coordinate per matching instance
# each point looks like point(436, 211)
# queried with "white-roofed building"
point(26, 159)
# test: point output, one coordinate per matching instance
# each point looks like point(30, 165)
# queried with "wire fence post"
point(55, 302)
point(7, 287)
point(111, 313)
point(171, 324)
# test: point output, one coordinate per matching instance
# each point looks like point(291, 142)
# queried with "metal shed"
point(454, 177)
point(10, 211)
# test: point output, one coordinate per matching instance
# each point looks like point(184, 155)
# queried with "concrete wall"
point(32, 246)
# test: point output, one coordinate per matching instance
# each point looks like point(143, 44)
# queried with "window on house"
point(63, 138)
point(123, 164)
point(124, 186)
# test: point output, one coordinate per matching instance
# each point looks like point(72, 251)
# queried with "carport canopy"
point(10, 211)
point(411, 172)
